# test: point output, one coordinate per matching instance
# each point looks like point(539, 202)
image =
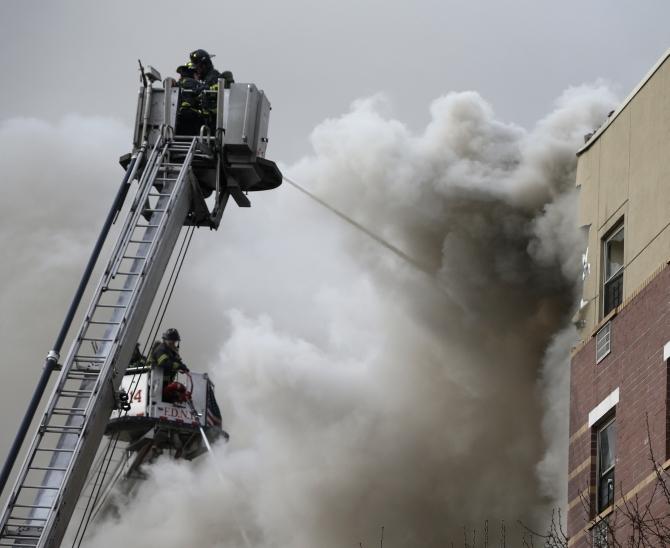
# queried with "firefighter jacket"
point(211, 79)
point(167, 360)
point(210, 82)
point(190, 93)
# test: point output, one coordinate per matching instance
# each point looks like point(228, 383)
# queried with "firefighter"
point(187, 79)
point(205, 71)
point(189, 115)
point(209, 77)
point(165, 356)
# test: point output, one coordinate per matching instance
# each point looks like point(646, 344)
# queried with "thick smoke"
point(360, 392)
point(58, 183)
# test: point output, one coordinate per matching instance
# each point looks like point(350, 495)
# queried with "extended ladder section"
point(50, 480)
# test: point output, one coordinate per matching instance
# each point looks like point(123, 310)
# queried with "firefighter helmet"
point(200, 56)
point(186, 70)
point(171, 335)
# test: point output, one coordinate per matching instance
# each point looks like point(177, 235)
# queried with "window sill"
point(610, 316)
point(605, 513)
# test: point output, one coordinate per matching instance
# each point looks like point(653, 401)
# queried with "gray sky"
point(300, 282)
point(314, 58)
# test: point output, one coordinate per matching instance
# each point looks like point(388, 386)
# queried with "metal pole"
point(52, 358)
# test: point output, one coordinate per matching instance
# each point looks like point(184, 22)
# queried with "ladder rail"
point(149, 174)
point(78, 419)
point(52, 402)
point(132, 221)
point(155, 151)
point(85, 401)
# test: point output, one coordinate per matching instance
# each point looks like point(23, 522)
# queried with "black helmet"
point(186, 70)
point(171, 335)
point(200, 56)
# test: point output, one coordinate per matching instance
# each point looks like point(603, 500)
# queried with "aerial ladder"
point(184, 178)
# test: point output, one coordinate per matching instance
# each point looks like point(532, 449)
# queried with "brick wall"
point(635, 366)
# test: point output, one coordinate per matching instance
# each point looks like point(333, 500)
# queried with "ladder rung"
point(133, 257)
point(105, 323)
point(27, 519)
point(64, 412)
point(12, 535)
point(147, 226)
point(110, 306)
point(9, 535)
point(132, 273)
point(150, 210)
point(75, 393)
point(79, 358)
point(118, 290)
point(52, 450)
point(83, 375)
point(159, 194)
point(62, 429)
point(97, 340)
point(15, 545)
point(40, 487)
point(48, 469)
point(31, 506)
point(80, 409)
point(64, 394)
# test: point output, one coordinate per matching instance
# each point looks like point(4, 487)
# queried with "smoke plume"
point(58, 183)
point(358, 391)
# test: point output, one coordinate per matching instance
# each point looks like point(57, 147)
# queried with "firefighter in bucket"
point(165, 356)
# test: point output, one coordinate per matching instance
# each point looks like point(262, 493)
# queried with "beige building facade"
point(620, 386)
point(623, 175)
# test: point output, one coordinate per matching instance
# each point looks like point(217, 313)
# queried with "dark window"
point(613, 271)
point(606, 456)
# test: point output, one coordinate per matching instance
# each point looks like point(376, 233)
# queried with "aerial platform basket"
point(166, 426)
point(232, 139)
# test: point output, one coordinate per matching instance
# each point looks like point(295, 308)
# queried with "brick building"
point(619, 370)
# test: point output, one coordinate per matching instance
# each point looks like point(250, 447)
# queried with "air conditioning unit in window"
point(603, 341)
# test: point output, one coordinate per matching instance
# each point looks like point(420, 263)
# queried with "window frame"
point(613, 278)
point(601, 475)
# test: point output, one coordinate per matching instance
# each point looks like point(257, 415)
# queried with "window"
point(613, 270)
point(606, 455)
